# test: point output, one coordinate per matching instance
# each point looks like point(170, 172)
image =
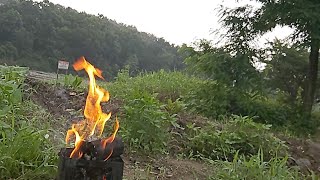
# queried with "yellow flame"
point(95, 119)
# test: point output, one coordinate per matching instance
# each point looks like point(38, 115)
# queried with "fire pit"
point(92, 157)
point(91, 165)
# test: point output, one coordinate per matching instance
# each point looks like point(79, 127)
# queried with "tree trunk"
point(312, 77)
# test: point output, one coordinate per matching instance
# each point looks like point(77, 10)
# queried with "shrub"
point(209, 98)
point(145, 124)
point(215, 100)
point(271, 111)
point(167, 85)
point(255, 168)
point(238, 134)
point(263, 110)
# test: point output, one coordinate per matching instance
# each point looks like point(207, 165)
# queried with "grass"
point(256, 168)
point(150, 119)
point(25, 151)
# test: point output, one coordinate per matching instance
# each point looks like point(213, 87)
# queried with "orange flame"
point(95, 119)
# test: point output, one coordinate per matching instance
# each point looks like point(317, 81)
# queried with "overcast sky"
point(177, 21)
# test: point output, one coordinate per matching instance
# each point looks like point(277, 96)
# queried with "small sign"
point(63, 64)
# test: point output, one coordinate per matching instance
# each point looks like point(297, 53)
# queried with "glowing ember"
point(93, 124)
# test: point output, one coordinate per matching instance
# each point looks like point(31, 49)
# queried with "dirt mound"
point(61, 101)
point(305, 154)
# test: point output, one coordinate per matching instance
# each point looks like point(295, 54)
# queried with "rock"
point(303, 163)
point(61, 93)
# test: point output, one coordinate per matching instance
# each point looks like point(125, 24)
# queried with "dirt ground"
point(66, 103)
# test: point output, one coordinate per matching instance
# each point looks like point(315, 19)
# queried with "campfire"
point(93, 156)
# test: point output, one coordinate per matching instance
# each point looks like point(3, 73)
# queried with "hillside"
point(38, 34)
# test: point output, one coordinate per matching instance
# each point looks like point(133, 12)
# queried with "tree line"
point(38, 34)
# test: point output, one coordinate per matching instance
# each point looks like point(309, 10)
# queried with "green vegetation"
point(239, 134)
point(221, 110)
point(25, 151)
point(38, 34)
point(256, 167)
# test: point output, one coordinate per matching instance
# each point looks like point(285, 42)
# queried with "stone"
point(303, 163)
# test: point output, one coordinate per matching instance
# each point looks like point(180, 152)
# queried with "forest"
point(197, 111)
point(38, 34)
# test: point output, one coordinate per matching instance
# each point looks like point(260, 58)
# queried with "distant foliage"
point(38, 34)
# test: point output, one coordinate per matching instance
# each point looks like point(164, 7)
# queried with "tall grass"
point(166, 85)
point(256, 168)
point(25, 151)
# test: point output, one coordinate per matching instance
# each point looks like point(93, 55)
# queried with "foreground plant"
point(239, 134)
point(256, 168)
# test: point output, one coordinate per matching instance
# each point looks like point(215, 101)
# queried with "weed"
point(255, 168)
point(143, 116)
point(238, 134)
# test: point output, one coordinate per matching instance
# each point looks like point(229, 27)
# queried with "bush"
point(270, 111)
point(167, 85)
point(255, 168)
point(264, 110)
point(145, 124)
point(151, 102)
point(238, 134)
point(209, 98)
point(215, 100)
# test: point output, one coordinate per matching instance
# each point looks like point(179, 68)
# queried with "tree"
point(286, 68)
point(301, 15)
point(39, 33)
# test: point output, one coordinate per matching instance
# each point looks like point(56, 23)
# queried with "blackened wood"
point(82, 169)
point(94, 150)
point(91, 166)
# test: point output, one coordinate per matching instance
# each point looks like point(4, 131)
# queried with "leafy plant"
point(238, 134)
point(71, 81)
point(25, 151)
point(210, 99)
point(255, 168)
point(167, 85)
point(146, 124)
point(26, 154)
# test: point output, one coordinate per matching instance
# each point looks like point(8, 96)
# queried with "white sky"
point(177, 21)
